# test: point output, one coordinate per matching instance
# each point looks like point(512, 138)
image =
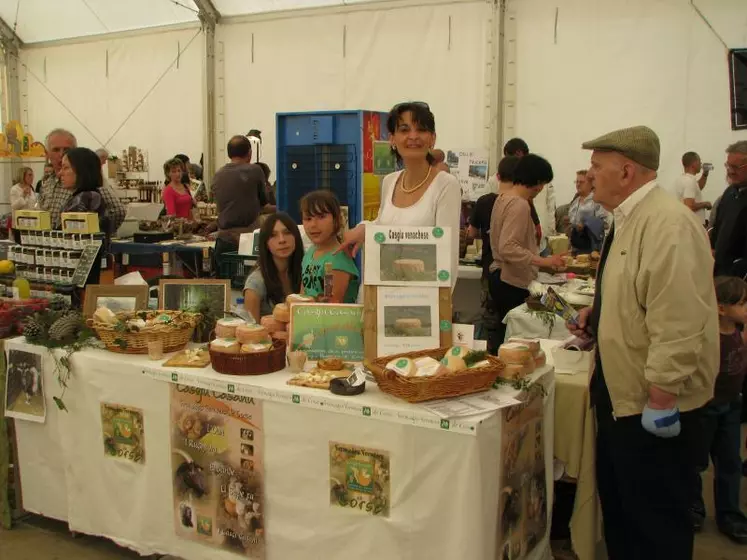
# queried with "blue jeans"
point(722, 441)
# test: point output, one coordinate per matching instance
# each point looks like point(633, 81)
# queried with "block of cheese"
point(225, 345)
point(279, 335)
point(408, 268)
point(255, 347)
point(402, 366)
point(515, 353)
point(251, 333)
point(281, 312)
point(428, 367)
point(540, 360)
point(532, 343)
point(271, 324)
point(226, 328)
point(408, 323)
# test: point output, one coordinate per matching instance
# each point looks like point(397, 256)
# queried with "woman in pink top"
point(176, 196)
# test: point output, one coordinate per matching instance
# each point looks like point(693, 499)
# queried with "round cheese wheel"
point(298, 298)
point(540, 360)
point(453, 363)
point(515, 353)
point(281, 313)
point(271, 324)
point(402, 366)
point(532, 344)
point(279, 335)
point(251, 333)
point(225, 345)
point(408, 323)
point(516, 371)
point(226, 328)
point(255, 347)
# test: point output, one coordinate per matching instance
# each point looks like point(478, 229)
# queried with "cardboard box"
point(80, 222)
point(32, 220)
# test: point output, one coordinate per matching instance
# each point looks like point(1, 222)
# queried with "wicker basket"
point(250, 364)
point(419, 389)
point(174, 336)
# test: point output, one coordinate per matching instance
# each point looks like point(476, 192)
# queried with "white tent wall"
point(101, 96)
point(617, 64)
point(367, 59)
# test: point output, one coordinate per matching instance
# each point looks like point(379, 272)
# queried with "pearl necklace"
point(416, 187)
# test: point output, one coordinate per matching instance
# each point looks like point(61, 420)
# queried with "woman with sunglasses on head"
point(419, 195)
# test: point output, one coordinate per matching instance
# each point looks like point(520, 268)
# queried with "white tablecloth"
point(444, 482)
point(521, 322)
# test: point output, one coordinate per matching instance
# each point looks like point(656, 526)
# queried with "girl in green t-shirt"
point(322, 220)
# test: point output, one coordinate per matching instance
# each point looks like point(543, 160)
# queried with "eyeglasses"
point(730, 167)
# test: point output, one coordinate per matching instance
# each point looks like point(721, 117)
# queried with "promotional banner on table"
point(218, 469)
point(359, 478)
point(522, 505)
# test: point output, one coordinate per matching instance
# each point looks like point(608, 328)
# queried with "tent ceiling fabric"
point(242, 7)
point(49, 20)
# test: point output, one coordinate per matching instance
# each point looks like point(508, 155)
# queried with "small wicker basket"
point(419, 389)
point(174, 335)
point(250, 364)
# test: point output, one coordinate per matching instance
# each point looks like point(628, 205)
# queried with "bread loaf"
point(225, 345)
point(226, 328)
point(281, 313)
point(247, 334)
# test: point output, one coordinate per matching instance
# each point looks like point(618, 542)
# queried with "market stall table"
point(445, 475)
point(575, 431)
point(522, 322)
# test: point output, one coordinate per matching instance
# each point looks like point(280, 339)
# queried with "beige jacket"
point(659, 319)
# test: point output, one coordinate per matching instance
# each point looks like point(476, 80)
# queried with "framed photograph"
point(191, 294)
point(408, 320)
point(116, 298)
point(407, 256)
point(24, 386)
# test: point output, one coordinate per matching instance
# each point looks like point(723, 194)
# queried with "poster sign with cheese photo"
point(218, 470)
point(359, 479)
point(407, 256)
point(408, 320)
point(325, 330)
point(522, 504)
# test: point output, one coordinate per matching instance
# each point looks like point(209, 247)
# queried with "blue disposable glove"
point(662, 423)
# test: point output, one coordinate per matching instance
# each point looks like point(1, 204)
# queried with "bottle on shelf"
point(21, 289)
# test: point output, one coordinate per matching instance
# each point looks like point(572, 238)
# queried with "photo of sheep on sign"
point(327, 331)
point(24, 389)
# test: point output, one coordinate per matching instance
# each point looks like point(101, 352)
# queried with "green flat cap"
point(639, 143)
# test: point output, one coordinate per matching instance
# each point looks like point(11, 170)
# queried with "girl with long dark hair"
point(278, 271)
point(81, 173)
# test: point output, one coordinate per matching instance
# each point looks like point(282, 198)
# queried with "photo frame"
point(24, 386)
point(176, 294)
point(407, 256)
point(116, 298)
point(407, 319)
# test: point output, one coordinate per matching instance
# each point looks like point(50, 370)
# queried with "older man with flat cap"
point(655, 322)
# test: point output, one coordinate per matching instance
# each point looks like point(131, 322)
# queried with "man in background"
point(54, 196)
point(439, 161)
point(729, 235)
point(238, 190)
point(104, 159)
point(688, 189)
point(48, 172)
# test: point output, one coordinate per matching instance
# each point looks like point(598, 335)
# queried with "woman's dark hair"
point(170, 164)
point(507, 168)
point(730, 290)
point(265, 169)
point(532, 171)
point(87, 167)
point(320, 202)
point(422, 116)
point(266, 263)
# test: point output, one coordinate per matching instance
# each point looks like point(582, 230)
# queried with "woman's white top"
point(19, 201)
point(440, 205)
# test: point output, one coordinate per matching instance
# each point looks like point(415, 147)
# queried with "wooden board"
point(180, 360)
